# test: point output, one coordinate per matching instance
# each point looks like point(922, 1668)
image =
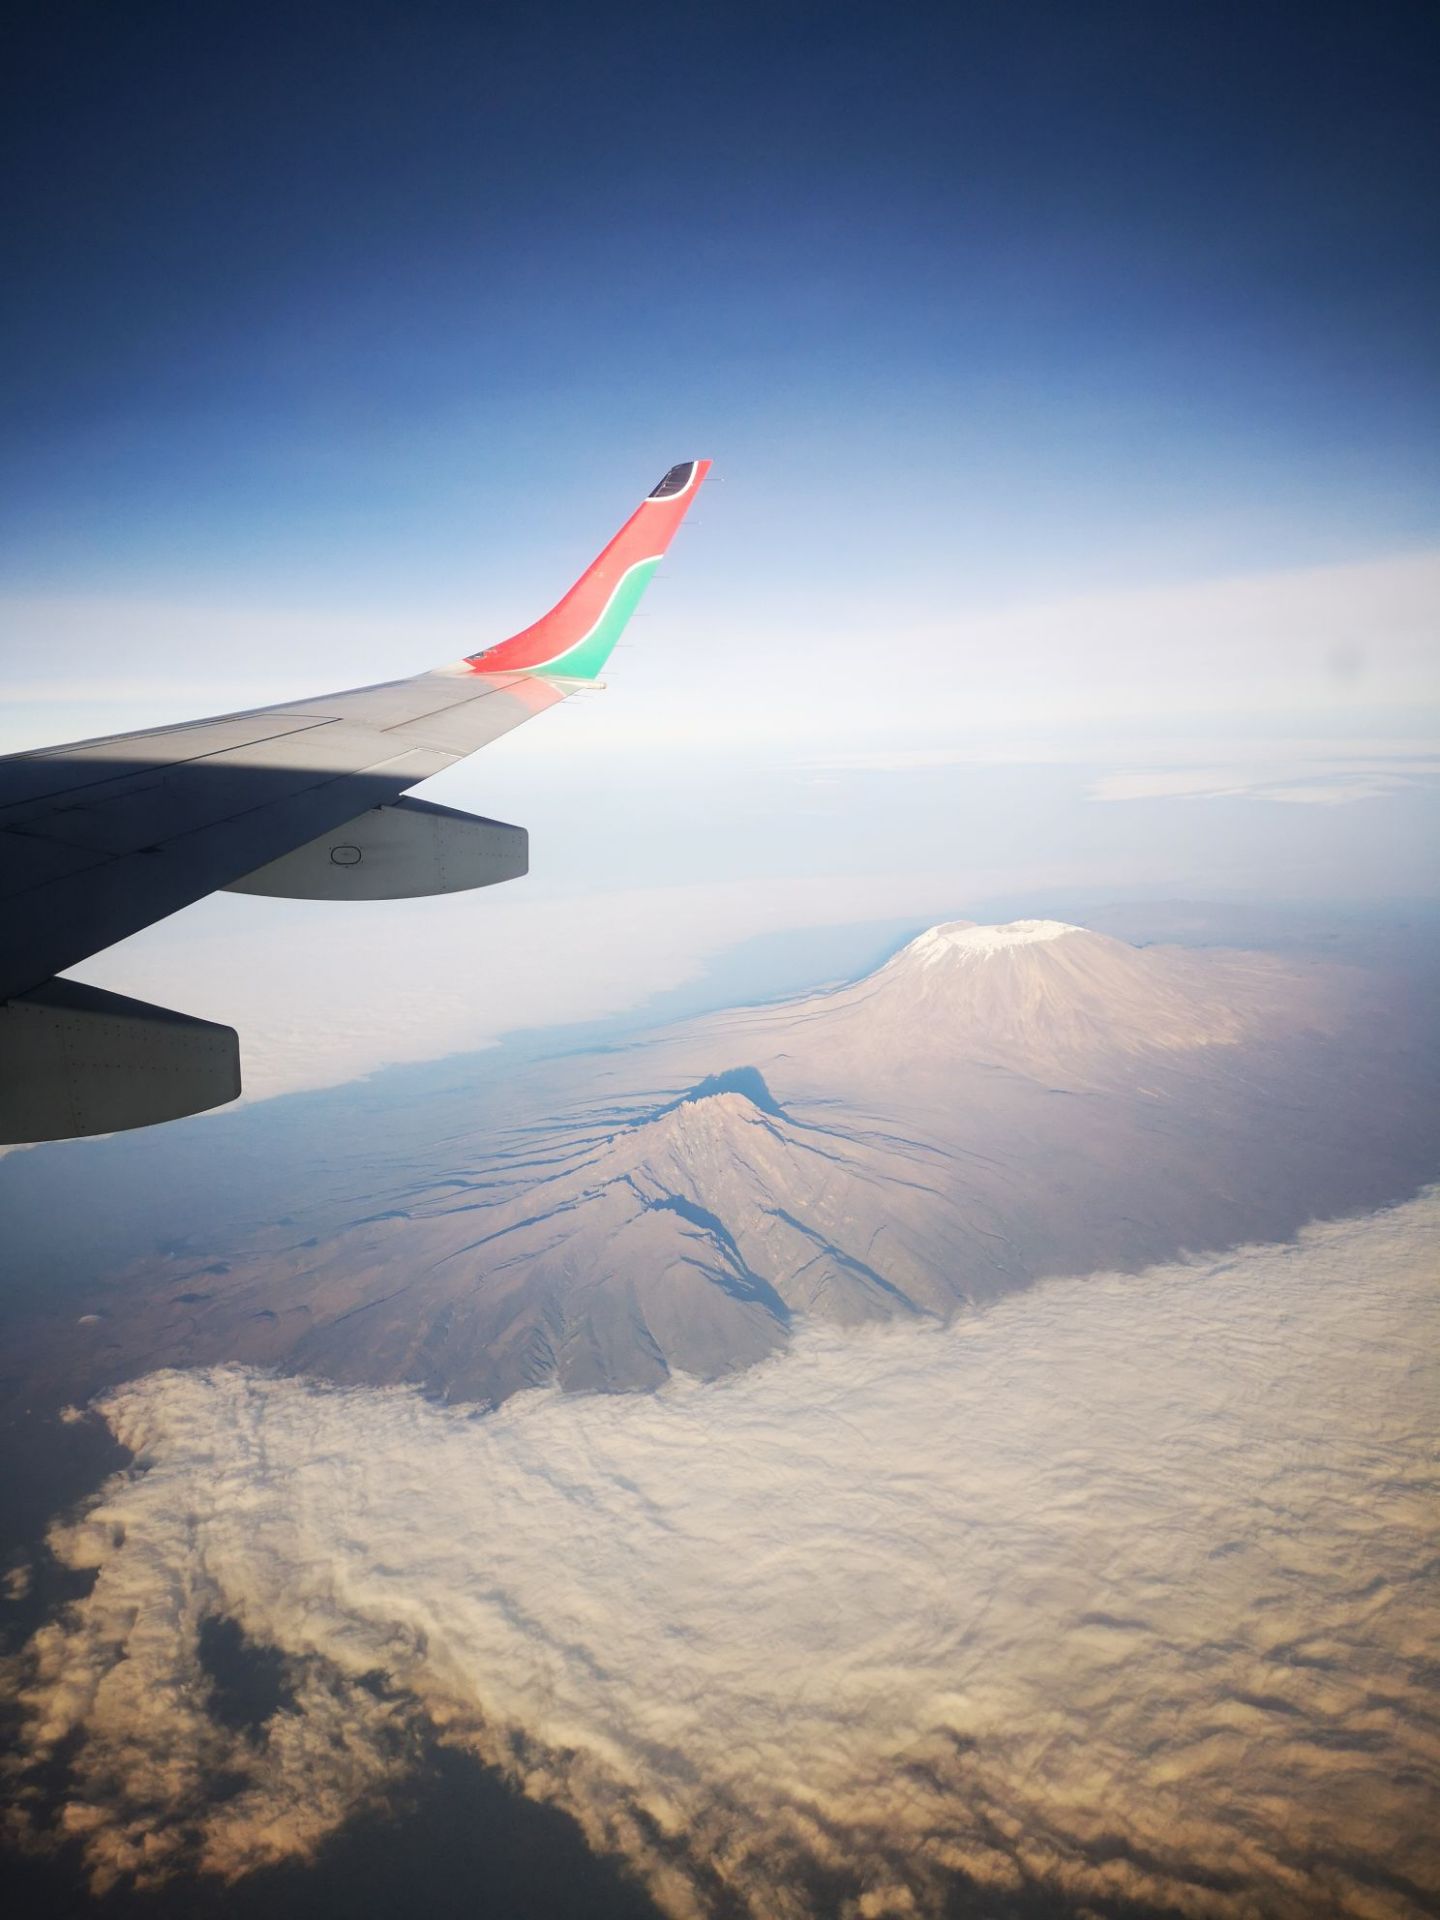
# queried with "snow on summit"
point(966, 941)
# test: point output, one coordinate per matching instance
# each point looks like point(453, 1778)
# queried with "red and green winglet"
point(575, 639)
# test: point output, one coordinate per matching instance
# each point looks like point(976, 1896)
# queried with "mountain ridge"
point(990, 1106)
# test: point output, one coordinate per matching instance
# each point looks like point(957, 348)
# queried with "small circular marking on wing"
point(346, 856)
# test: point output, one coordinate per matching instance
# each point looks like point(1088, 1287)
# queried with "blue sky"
point(368, 299)
point(1070, 373)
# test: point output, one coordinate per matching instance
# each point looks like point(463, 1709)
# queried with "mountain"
point(991, 1106)
point(1038, 998)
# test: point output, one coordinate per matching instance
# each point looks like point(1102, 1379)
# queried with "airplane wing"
point(100, 838)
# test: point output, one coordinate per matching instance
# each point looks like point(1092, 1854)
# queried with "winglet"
point(575, 639)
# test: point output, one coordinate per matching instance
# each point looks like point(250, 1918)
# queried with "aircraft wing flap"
point(402, 703)
point(472, 719)
point(155, 805)
point(29, 860)
point(28, 779)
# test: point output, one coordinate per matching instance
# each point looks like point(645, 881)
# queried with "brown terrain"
point(992, 1106)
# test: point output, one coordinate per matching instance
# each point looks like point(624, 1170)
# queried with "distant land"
point(991, 1106)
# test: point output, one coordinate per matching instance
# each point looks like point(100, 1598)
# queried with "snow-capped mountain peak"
point(963, 940)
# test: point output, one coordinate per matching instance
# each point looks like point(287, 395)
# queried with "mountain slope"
point(993, 1105)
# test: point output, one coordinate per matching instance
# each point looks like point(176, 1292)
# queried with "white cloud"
point(1289, 649)
point(851, 673)
point(1119, 1586)
point(1288, 779)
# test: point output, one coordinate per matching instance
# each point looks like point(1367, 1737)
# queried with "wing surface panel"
point(36, 779)
point(98, 861)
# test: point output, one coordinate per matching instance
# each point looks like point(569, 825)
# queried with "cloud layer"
point(1293, 644)
point(1291, 779)
point(1118, 1586)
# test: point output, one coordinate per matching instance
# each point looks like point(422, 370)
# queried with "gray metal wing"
point(103, 837)
point(100, 838)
